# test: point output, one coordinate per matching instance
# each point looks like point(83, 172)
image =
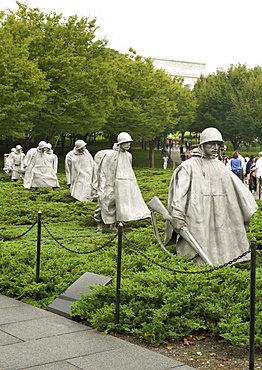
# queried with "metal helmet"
point(42, 144)
point(123, 137)
point(210, 134)
point(49, 145)
point(80, 144)
point(18, 147)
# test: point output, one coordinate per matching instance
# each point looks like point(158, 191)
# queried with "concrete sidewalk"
point(32, 338)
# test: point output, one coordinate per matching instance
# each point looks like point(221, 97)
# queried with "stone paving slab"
point(8, 302)
point(142, 359)
point(6, 338)
point(41, 328)
point(20, 312)
point(55, 348)
point(61, 365)
point(32, 338)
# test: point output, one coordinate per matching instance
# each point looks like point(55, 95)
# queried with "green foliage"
point(56, 78)
point(231, 101)
point(156, 303)
point(48, 52)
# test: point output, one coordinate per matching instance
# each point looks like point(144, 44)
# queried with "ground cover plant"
point(157, 303)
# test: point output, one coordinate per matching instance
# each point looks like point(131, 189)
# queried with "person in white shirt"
point(165, 161)
point(259, 165)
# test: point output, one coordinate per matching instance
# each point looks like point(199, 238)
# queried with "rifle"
point(156, 204)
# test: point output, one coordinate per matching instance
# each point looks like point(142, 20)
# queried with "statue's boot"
point(113, 227)
point(99, 227)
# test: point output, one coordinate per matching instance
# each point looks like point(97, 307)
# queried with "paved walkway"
point(32, 338)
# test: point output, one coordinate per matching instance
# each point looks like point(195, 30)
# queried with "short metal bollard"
point(118, 276)
point(252, 304)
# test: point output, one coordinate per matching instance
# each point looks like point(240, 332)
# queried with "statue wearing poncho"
point(119, 196)
point(40, 168)
point(79, 168)
point(212, 202)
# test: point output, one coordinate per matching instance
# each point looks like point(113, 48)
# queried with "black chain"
point(186, 272)
point(70, 250)
point(19, 236)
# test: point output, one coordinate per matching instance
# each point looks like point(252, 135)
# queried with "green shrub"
point(156, 303)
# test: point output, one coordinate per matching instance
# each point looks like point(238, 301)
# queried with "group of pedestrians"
point(248, 169)
point(108, 176)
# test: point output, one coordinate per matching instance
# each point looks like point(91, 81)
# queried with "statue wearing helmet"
point(210, 134)
point(7, 158)
point(16, 163)
point(79, 144)
point(114, 181)
point(206, 198)
point(41, 168)
point(124, 137)
point(79, 167)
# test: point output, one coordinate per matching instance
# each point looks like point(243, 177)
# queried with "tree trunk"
point(151, 153)
point(63, 143)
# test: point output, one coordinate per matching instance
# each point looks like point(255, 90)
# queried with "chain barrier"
point(259, 253)
point(19, 236)
point(77, 252)
point(134, 247)
point(185, 272)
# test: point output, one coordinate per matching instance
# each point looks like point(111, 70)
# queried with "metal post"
point(252, 304)
point(38, 247)
point(118, 276)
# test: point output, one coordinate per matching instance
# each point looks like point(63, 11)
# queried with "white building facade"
point(189, 71)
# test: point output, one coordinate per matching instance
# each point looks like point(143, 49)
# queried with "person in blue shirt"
point(236, 164)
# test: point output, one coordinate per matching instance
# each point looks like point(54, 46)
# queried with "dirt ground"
point(201, 351)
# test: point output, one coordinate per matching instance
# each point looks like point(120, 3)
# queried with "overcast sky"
point(218, 33)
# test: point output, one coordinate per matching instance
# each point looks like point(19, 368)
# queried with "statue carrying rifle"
point(158, 206)
point(209, 208)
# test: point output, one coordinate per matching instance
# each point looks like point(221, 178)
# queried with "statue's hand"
point(94, 193)
point(178, 223)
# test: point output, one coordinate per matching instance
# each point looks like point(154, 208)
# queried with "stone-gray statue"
point(210, 202)
point(79, 168)
point(7, 157)
point(16, 163)
point(119, 197)
point(40, 168)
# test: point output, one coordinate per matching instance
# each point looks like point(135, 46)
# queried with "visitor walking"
point(165, 161)
point(236, 165)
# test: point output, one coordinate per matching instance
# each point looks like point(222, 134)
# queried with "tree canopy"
point(56, 77)
point(231, 101)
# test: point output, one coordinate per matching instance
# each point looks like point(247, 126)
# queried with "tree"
point(23, 88)
point(186, 110)
point(231, 101)
point(144, 104)
point(78, 99)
